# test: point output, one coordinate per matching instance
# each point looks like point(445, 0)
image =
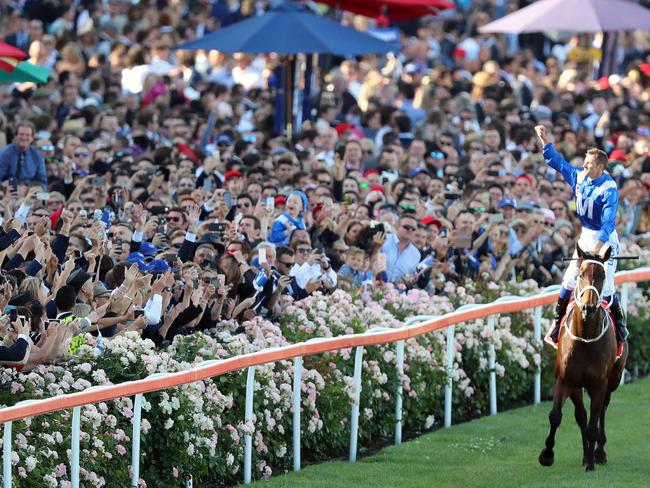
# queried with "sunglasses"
point(47, 148)
point(410, 228)
point(174, 219)
point(81, 154)
point(304, 250)
point(243, 205)
point(549, 224)
point(288, 265)
point(557, 209)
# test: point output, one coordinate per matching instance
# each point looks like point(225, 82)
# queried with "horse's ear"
point(581, 253)
point(608, 254)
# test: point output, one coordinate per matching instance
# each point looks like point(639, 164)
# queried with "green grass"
point(501, 452)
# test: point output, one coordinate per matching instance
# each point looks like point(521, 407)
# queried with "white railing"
point(413, 327)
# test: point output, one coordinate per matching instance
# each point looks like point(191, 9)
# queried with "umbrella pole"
point(323, 67)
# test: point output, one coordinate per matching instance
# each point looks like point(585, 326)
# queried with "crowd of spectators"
point(145, 188)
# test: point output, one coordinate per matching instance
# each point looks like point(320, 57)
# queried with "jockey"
point(596, 205)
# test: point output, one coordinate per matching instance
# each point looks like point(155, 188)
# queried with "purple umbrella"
point(573, 16)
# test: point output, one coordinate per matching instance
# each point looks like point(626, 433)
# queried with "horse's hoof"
point(590, 467)
point(546, 459)
point(601, 457)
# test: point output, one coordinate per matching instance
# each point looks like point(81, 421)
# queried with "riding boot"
point(621, 325)
point(560, 310)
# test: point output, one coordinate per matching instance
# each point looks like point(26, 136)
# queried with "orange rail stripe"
point(199, 372)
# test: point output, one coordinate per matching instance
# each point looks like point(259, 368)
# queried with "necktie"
point(19, 166)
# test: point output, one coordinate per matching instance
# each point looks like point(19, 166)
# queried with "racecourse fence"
point(413, 327)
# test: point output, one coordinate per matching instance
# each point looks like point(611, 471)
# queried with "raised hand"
point(130, 274)
point(193, 216)
point(540, 130)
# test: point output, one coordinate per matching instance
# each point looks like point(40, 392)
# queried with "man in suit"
point(20, 162)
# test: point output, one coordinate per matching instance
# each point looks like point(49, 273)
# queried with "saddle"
point(569, 310)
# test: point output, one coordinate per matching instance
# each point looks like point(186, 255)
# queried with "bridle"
point(578, 292)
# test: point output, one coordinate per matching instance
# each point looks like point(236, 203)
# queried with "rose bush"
point(199, 428)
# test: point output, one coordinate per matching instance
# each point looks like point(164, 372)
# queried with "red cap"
point(378, 188)
point(187, 151)
point(369, 172)
point(618, 155)
point(460, 52)
point(343, 128)
point(645, 68)
point(603, 83)
point(233, 173)
point(280, 199)
point(431, 220)
point(525, 177)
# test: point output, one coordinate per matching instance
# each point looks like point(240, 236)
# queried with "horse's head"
point(591, 279)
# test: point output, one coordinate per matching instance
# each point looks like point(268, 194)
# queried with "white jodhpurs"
point(587, 241)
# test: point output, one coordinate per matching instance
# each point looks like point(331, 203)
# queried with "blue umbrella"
point(290, 28)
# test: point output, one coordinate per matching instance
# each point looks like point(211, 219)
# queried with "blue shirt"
point(596, 200)
point(32, 169)
point(357, 277)
point(281, 229)
point(399, 264)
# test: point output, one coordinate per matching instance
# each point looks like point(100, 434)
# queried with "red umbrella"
point(581, 16)
point(394, 9)
point(10, 56)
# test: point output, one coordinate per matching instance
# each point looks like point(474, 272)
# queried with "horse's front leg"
point(581, 420)
point(597, 395)
point(600, 456)
point(560, 394)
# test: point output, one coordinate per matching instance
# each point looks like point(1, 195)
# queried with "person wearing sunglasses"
point(402, 257)
point(81, 159)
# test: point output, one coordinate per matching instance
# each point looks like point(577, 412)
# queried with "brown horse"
point(586, 358)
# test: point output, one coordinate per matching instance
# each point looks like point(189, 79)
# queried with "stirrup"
point(549, 340)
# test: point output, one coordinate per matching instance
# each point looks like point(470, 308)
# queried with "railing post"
point(248, 416)
point(74, 461)
point(450, 368)
point(295, 401)
point(354, 416)
point(135, 440)
point(6, 456)
point(537, 337)
point(399, 392)
point(491, 366)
